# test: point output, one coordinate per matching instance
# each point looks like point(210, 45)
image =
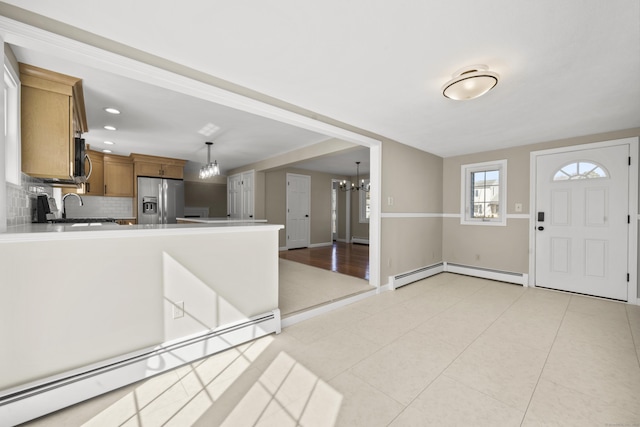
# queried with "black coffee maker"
point(42, 208)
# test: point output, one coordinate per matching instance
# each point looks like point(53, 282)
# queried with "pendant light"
point(470, 82)
point(210, 169)
point(361, 186)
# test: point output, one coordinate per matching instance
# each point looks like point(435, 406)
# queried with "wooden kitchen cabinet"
point(52, 112)
point(118, 176)
point(158, 167)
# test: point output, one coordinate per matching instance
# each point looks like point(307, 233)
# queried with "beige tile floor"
point(449, 350)
point(302, 287)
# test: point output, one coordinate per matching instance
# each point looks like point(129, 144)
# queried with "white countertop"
point(221, 220)
point(45, 232)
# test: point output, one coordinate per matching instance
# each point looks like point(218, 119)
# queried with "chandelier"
point(210, 169)
point(361, 186)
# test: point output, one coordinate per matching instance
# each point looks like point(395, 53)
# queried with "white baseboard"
point(360, 240)
point(54, 393)
point(341, 240)
point(486, 273)
point(319, 245)
point(308, 314)
point(414, 275)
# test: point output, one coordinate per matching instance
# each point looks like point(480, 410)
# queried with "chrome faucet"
point(64, 214)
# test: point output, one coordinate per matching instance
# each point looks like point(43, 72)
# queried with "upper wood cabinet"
point(52, 111)
point(159, 167)
point(118, 176)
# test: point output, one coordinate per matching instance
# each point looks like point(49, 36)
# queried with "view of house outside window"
point(484, 193)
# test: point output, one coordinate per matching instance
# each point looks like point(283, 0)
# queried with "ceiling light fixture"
point(345, 187)
point(109, 142)
point(106, 151)
point(470, 82)
point(112, 110)
point(109, 127)
point(210, 169)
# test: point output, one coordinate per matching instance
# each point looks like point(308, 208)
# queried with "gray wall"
point(413, 178)
point(503, 248)
point(206, 195)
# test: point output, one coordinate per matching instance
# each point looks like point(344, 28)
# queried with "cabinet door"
point(172, 171)
point(149, 169)
point(95, 184)
point(118, 179)
point(47, 143)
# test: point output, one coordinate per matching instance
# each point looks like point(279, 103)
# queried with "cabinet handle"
point(105, 189)
point(88, 187)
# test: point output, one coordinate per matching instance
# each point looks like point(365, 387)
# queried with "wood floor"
point(345, 258)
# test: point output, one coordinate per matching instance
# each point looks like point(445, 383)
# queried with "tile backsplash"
point(97, 206)
point(21, 199)
point(21, 203)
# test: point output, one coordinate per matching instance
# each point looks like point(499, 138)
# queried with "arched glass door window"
point(580, 170)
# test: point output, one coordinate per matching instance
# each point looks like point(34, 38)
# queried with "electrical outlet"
point(178, 309)
point(390, 201)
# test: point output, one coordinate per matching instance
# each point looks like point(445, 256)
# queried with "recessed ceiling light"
point(106, 151)
point(209, 129)
point(109, 127)
point(109, 142)
point(112, 110)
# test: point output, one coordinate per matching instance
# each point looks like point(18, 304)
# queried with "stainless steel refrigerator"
point(160, 201)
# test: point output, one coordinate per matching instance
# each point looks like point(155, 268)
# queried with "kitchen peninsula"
point(124, 303)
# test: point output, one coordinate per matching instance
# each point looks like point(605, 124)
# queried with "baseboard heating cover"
point(54, 393)
point(413, 276)
point(487, 273)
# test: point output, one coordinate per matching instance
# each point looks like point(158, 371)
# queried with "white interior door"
point(234, 203)
point(247, 195)
point(298, 210)
point(582, 221)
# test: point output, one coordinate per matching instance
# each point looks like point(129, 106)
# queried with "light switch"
point(518, 207)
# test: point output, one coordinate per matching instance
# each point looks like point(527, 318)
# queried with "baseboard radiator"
point(360, 240)
point(488, 273)
point(413, 276)
point(54, 393)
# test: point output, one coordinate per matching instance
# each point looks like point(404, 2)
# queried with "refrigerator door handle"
point(160, 204)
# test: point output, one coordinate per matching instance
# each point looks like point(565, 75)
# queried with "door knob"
point(540, 228)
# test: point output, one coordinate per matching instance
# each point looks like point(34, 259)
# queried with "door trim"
point(632, 249)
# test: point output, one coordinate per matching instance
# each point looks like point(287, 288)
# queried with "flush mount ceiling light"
point(109, 127)
point(210, 169)
point(112, 110)
point(470, 82)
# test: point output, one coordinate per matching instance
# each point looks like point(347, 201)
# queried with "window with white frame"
point(11, 124)
point(365, 203)
point(484, 193)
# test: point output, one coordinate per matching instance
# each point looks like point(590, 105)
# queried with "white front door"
point(582, 219)
point(298, 208)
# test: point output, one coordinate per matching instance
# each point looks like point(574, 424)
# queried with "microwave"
point(80, 174)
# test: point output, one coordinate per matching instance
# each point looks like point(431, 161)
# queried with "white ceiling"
point(567, 68)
